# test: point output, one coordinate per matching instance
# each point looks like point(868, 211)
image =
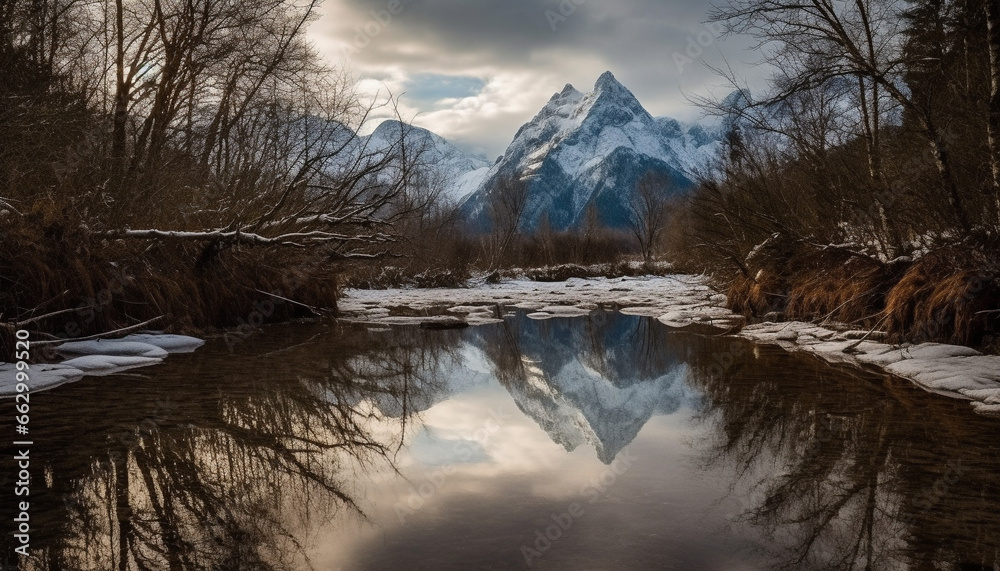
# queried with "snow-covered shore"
point(680, 301)
point(97, 358)
point(684, 298)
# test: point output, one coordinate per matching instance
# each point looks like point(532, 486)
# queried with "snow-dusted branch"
point(294, 239)
point(5, 205)
point(105, 334)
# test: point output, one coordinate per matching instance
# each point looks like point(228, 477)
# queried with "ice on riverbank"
point(152, 345)
point(111, 348)
point(552, 311)
point(40, 377)
point(949, 370)
point(651, 296)
point(104, 365)
point(97, 358)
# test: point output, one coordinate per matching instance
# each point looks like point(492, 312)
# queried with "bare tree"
point(648, 213)
point(193, 131)
point(816, 41)
point(507, 202)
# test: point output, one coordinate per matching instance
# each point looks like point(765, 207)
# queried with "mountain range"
point(581, 151)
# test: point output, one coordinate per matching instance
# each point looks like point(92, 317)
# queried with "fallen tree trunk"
point(294, 239)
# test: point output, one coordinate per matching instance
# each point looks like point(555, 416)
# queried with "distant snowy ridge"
point(456, 172)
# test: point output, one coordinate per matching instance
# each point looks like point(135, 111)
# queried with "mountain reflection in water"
point(353, 447)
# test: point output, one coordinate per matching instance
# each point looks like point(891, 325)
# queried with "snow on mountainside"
point(591, 149)
point(459, 173)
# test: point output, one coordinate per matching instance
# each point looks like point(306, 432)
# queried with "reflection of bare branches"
point(596, 356)
point(503, 347)
point(837, 460)
point(207, 483)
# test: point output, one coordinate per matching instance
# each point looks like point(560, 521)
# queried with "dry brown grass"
point(760, 295)
point(844, 288)
point(950, 296)
point(943, 298)
point(46, 268)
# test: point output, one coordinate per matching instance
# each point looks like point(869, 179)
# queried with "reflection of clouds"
point(430, 449)
point(482, 513)
point(474, 359)
point(518, 446)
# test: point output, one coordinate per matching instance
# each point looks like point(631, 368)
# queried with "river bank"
point(685, 301)
point(677, 301)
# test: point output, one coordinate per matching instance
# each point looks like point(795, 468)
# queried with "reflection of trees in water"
point(635, 351)
point(502, 346)
point(851, 470)
point(223, 464)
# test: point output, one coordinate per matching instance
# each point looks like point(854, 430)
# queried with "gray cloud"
point(512, 43)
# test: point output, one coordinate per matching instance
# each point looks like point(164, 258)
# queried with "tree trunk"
point(993, 27)
point(942, 159)
point(870, 119)
point(121, 91)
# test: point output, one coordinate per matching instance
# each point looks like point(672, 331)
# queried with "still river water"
point(605, 442)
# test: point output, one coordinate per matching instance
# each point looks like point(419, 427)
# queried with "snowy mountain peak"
point(607, 79)
point(590, 150)
point(609, 92)
point(607, 83)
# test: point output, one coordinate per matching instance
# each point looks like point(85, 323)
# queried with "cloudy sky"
point(473, 71)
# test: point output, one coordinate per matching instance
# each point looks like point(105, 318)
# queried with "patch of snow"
point(564, 311)
point(950, 370)
point(40, 377)
point(467, 309)
point(651, 296)
point(111, 347)
point(99, 358)
point(170, 343)
point(104, 365)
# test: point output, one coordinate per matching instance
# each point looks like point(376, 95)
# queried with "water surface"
point(608, 442)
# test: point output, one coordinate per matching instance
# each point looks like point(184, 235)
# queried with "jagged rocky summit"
point(584, 150)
